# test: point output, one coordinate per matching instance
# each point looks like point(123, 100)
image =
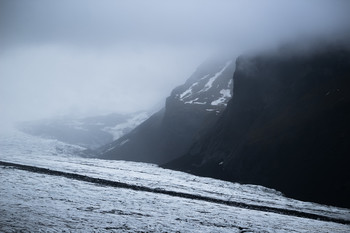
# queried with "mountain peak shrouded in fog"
point(286, 126)
point(190, 109)
point(96, 57)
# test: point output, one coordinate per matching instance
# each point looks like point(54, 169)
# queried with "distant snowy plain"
point(34, 202)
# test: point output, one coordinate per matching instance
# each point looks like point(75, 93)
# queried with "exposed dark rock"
point(191, 107)
point(286, 127)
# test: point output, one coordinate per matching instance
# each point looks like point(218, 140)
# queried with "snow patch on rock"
point(210, 82)
point(123, 142)
point(188, 92)
point(225, 94)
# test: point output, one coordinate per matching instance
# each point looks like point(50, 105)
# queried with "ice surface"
point(39, 202)
point(33, 202)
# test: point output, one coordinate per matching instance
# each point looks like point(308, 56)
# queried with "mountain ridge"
point(286, 127)
point(190, 108)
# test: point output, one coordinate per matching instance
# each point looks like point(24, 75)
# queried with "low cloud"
point(91, 57)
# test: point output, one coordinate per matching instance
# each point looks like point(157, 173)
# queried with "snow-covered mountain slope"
point(90, 132)
point(213, 89)
point(191, 108)
point(32, 202)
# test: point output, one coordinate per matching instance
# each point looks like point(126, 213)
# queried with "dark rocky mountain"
point(286, 127)
point(89, 132)
point(191, 107)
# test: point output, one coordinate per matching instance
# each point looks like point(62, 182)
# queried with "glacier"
point(32, 201)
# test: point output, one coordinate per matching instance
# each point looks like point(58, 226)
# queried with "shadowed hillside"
point(286, 127)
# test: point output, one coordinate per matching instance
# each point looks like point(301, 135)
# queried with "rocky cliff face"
point(191, 107)
point(286, 127)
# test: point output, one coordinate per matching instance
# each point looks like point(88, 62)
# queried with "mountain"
point(191, 107)
point(286, 127)
point(89, 132)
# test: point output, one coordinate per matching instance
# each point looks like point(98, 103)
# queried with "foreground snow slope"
point(34, 201)
point(44, 202)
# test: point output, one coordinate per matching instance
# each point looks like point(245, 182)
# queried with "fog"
point(87, 57)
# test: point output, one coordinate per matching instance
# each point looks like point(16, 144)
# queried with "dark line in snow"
point(172, 193)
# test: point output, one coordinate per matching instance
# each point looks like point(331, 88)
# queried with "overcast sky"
point(88, 57)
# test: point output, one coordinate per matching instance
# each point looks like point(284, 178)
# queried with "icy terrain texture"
point(33, 202)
